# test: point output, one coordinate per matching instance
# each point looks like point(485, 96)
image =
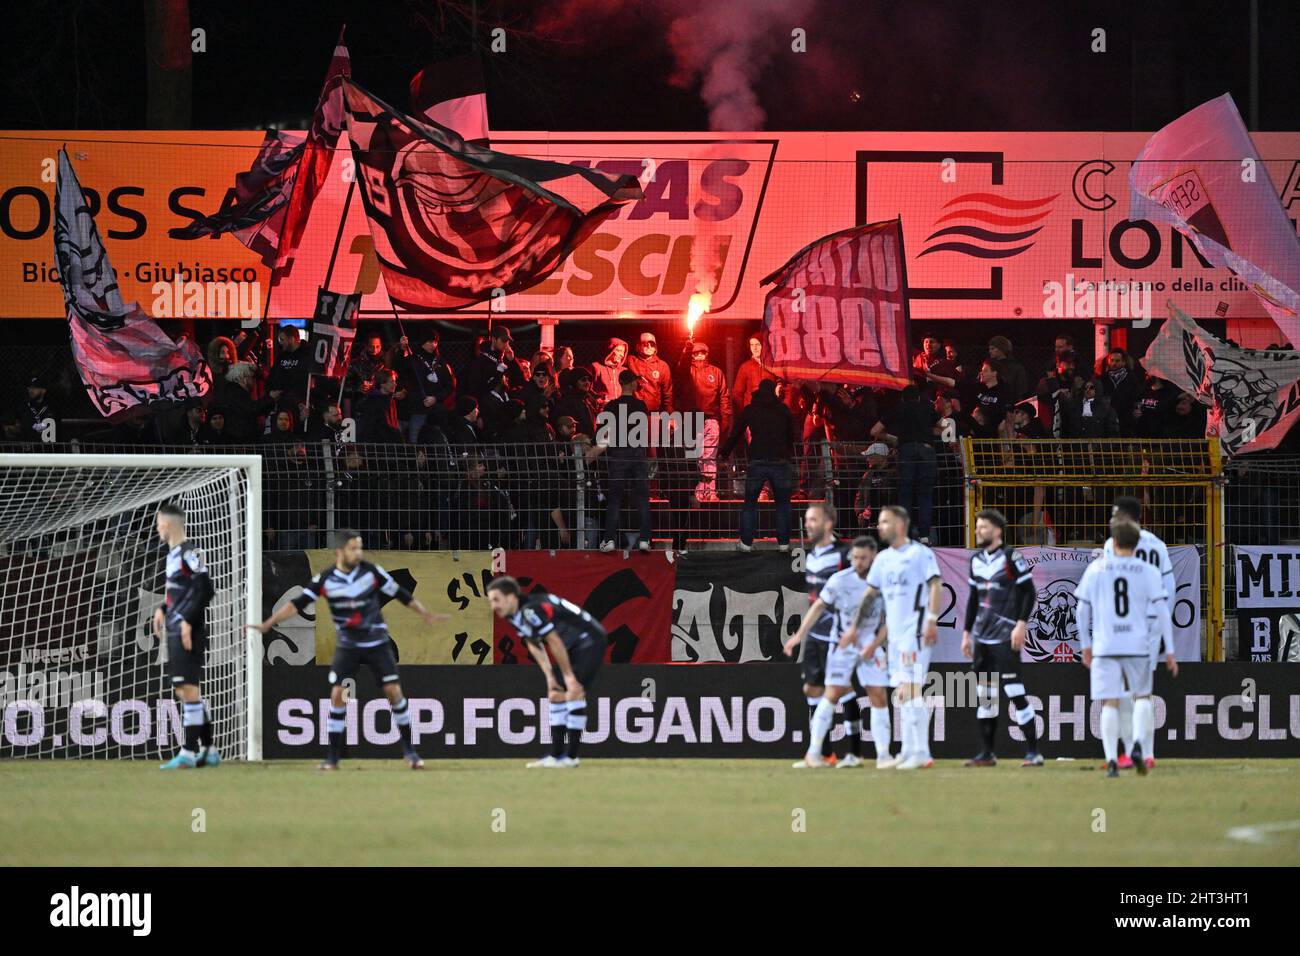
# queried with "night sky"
point(643, 64)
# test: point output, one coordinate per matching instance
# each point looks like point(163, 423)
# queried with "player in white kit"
point(1153, 551)
point(842, 595)
point(1121, 604)
point(906, 575)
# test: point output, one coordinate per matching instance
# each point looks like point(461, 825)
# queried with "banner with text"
point(998, 225)
point(1268, 603)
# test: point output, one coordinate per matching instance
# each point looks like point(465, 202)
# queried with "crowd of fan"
point(406, 393)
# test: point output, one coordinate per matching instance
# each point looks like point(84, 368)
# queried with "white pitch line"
point(1258, 833)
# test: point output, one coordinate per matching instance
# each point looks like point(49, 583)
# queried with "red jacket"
point(703, 388)
point(656, 385)
point(748, 376)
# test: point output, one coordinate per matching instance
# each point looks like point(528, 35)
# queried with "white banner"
point(1053, 635)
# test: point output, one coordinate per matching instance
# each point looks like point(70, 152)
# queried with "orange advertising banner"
point(996, 225)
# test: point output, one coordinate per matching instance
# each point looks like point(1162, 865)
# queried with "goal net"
point(81, 572)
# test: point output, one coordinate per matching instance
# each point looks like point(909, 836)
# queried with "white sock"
point(880, 731)
point(922, 730)
point(1126, 724)
point(1144, 724)
point(819, 726)
point(908, 734)
point(1110, 732)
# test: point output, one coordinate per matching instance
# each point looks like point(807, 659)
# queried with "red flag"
point(452, 222)
point(317, 158)
point(839, 309)
point(452, 94)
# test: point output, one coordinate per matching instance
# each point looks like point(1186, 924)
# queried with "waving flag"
point(317, 158)
point(1252, 394)
point(1203, 175)
point(452, 93)
point(125, 360)
point(256, 216)
point(453, 222)
point(839, 309)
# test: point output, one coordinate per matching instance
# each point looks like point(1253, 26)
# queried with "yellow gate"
point(1059, 492)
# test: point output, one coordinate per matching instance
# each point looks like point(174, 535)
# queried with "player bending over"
point(906, 575)
point(1153, 551)
point(816, 636)
point(843, 596)
point(1121, 610)
point(997, 622)
point(353, 588)
point(576, 643)
point(181, 615)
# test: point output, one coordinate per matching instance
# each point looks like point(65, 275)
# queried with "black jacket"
point(771, 430)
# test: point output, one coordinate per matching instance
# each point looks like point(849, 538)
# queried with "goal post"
point(81, 571)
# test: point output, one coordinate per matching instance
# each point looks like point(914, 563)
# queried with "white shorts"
point(1113, 678)
point(908, 664)
point(842, 662)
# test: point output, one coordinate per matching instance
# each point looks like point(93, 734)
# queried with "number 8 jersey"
point(902, 576)
point(1122, 606)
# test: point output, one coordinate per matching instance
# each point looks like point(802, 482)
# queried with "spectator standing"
point(992, 403)
point(433, 384)
point(1153, 408)
point(38, 411)
point(1010, 372)
point(934, 373)
point(1089, 414)
point(1187, 419)
point(495, 363)
point(605, 373)
point(1055, 390)
point(655, 387)
point(911, 427)
point(377, 419)
point(287, 384)
point(629, 470)
point(770, 450)
point(704, 390)
point(241, 410)
point(751, 372)
point(1120, 386)
point(576, 400)
point(464, 425)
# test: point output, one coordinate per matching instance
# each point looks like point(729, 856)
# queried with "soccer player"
point(181, 617)
point(1121, 607)
point(824, 557)
point(1153, 551)
point(843, 597)
point(997, 622)
point(906, 575)
point(355, 589)
point(576, 643)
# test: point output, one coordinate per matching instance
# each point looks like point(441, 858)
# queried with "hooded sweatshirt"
point(604, 375)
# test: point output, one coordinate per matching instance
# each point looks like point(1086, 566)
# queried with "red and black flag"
point(256, 208)
point(125, 360)
point(453, 222)
point(317, 158)
point(452, 93)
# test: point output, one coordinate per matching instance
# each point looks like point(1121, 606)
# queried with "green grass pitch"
point(719, 812)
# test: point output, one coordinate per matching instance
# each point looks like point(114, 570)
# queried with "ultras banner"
point(838, 311)
point(993, 220)
point(631, 596)
point(1268, 603)
point(445, 582)
point(1210, 710)
point(1053, 635)
point(736, 608)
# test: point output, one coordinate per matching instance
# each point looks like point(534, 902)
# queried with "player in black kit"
point(997, 615)
point(355, 589)
point(181, 617)
point(576, 642)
